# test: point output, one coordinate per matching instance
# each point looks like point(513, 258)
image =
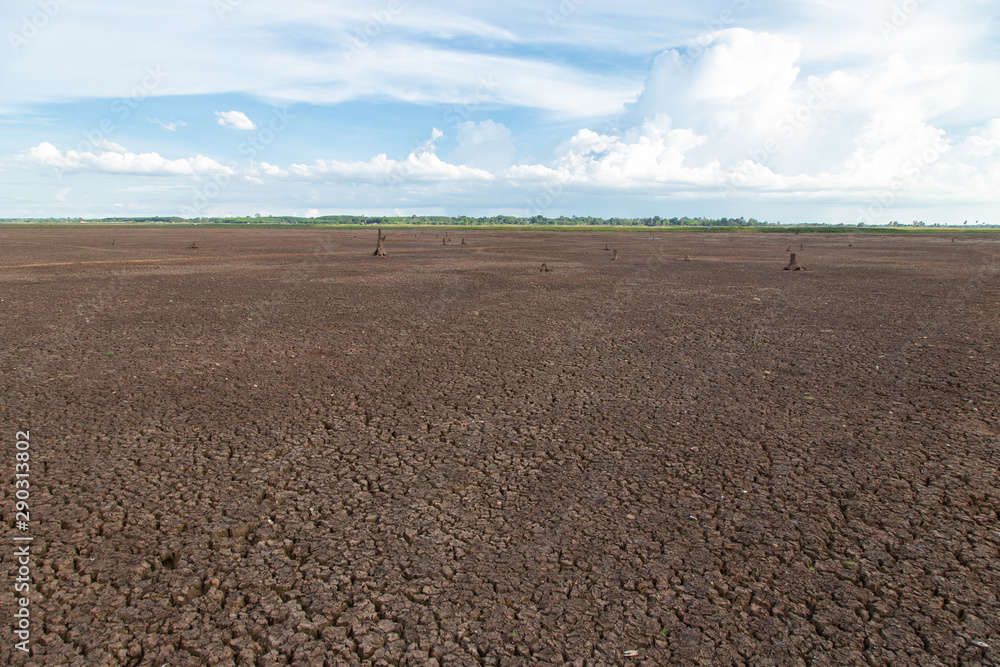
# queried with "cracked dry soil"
point(276, 449)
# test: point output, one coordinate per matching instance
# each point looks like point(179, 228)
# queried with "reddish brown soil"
point(278, 449)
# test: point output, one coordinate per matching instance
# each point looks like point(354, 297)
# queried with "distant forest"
point(502, 220)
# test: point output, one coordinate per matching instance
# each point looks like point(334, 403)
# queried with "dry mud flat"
point(277, 449)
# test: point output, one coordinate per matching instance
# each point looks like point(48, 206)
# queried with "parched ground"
point(277, 449)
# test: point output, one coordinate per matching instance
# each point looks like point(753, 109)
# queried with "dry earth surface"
point(276, 449)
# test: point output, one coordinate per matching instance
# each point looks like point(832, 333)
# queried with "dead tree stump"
point(379, 250)
point(793, 265)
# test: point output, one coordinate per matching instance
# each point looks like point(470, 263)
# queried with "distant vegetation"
point(719, 224)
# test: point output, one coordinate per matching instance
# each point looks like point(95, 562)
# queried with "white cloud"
point(485, 145)
point(419, 167)
point(770, 128)
point(443, 24)
point(738, 90)
point(235, 119)
point(109, 146)
point(118, 160)
point(168, 127)
point(984, 143)
point(652, 153)
point(421, 74)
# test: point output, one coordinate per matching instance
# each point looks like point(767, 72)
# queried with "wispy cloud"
point(168, 127)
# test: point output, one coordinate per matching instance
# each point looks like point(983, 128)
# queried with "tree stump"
point(793, 265)
point(379, 250)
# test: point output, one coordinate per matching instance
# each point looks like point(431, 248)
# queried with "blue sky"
point(798, 111)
